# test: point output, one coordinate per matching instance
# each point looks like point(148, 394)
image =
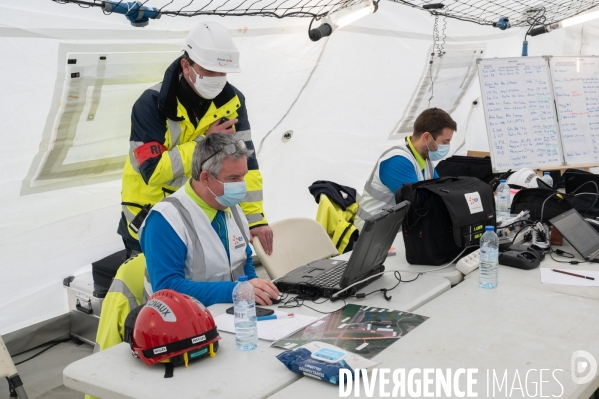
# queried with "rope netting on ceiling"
point(519, 12)
point(484, 12)
point(190, 8)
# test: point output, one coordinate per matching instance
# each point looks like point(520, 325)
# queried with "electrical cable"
point(403, 271)
point(596, 194)
point(439, 40)
point(397, 275)
point(543, 206)
point(430, 63)
point(560, 194)
point(301, 298)
point(584, 184)
point(559, 252)
point(53, 344)
point(525, 228)
point(537, 19)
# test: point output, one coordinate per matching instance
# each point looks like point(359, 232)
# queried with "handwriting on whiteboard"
point(521, 118)
point(576, 86)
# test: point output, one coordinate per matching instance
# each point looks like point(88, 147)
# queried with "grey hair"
point(210, 146)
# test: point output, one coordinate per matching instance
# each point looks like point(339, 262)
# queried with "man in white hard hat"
point(193, 100)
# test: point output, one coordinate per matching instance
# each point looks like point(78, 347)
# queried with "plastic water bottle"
point(547, 179)
point(244, 302)
point(503, 200)
point(488, 266)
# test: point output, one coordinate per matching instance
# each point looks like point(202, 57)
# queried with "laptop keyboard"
point(331, 277)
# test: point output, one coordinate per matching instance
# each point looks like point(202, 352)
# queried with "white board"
point(520, 113)
point(576, 91)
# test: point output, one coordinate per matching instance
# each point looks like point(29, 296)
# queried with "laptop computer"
point(579, 233)
point(574, 180)
point(324, 278)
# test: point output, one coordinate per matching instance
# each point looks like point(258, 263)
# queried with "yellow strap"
point(211, 350)
point(186, 359)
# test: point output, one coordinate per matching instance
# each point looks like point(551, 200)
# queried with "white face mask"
point(209, 86)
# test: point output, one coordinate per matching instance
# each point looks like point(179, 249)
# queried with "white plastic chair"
point(8, 370)
point(296, 242)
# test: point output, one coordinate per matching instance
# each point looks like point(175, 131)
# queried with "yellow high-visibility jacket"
point(162, 142)
point(338, 223)
point(124, 295)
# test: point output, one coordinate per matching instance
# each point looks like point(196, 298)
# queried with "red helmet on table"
point(173, 326)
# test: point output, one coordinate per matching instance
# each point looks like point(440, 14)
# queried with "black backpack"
point(446, 215)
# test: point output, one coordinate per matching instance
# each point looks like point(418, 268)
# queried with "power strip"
point(469, 263)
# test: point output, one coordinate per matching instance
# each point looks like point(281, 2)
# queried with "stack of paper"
point(548, 276)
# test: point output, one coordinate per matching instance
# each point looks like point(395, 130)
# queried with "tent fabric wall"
point(342, 98)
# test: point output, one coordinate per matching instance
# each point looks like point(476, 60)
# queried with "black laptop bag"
point(458, 165)
point(446, 215)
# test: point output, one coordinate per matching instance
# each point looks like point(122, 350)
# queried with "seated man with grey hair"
point(196, 240)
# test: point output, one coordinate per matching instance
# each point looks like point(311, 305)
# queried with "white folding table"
point(114, 373)
point(521, 326)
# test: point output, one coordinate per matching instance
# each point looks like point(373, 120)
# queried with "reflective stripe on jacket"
point(376, 195)
point(338, 223)
point(124, 295)
point(206, 258)
point(163, 140)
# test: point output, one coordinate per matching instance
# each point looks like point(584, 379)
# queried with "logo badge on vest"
point(238, 242)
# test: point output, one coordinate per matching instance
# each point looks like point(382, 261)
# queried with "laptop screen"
point(577, 231)
point(375, 240)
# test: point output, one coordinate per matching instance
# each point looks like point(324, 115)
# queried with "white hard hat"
point(210, 45)
point(525, 178)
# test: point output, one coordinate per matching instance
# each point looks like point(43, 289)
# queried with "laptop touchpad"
point(314, 271)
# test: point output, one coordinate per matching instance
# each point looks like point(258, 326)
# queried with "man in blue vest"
point(196, 240)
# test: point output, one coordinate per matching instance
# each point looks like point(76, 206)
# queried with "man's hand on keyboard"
point(264, 290)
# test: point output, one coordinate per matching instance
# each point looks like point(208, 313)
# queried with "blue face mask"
point(442, 151)
point(234, 193)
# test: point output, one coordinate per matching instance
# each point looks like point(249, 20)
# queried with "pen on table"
point(273, 317)
point(572, 274)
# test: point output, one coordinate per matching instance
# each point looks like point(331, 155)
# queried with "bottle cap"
point(242, 278)
point(490, 228)
point(546, 173)
point(502, 181)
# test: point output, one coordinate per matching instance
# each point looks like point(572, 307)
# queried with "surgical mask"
point(440, 153)
point(209, 86)
point(234, 193)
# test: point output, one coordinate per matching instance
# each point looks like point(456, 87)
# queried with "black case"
point(458, 165)
point(104, 270)
point(439, 223)
point(532, 199)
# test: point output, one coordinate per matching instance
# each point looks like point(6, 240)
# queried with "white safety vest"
point(206, 258)
point(376, 195)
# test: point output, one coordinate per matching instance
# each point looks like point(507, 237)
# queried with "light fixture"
point(578, 19)
point(341, 18)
